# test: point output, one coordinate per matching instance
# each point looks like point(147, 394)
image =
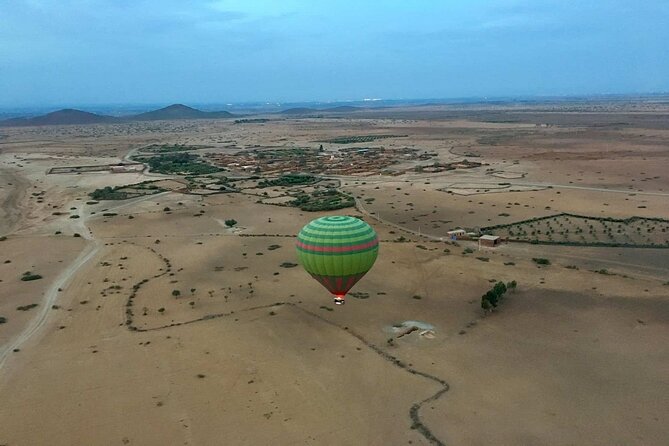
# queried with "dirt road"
point(63, 278)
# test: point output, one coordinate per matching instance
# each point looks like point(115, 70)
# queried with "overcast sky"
point(163, 51)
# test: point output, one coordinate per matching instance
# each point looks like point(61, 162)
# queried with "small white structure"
point(489, 241)
point(456, 234)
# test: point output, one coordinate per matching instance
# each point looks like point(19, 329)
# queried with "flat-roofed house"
point(489, 241)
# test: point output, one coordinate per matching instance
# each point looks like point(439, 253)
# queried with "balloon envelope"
point(337, 251)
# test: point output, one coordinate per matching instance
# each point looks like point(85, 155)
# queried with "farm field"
point(581, 230)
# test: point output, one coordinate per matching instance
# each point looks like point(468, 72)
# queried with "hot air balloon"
point(337, 251)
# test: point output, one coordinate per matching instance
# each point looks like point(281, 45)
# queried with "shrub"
point(3, 320)
point(230, 223)
point(541, 261)
point(176, 293)
point(26, 307)
point(28, 276)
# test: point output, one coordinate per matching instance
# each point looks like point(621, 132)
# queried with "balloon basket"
point(339, 301)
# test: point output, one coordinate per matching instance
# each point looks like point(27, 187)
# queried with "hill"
point(179, 111)
point(67, 116)
point(299, 111)
point(343, 109)
point(71, 117)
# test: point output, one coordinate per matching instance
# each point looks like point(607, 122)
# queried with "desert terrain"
point(164, 304)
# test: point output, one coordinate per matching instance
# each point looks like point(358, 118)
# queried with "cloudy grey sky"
point(198, 51)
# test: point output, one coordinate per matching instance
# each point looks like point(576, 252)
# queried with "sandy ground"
point(253, 352)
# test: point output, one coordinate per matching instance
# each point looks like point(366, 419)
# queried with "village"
point(358, 161)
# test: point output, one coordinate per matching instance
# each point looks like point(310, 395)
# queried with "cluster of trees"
point(109, 193)
point(251, 121)
point(179, 163)
point(326, 200)
point(359, 139)
point(117, 192)
point(167, 148)
point(491, 299)
point(288, 180)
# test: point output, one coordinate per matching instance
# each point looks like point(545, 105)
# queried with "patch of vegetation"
point(251, 121)
point(28, 276)
point(288, 265)
point(323, 200)
point(541, 261)
point(289, 180)
point(180, 163)
point(230, 222)
point(26, 307)
point(125, 192)
point(359, 295)
point(604, 271)
point(359, 139)
point(169, 148)
point(3, 320)
point(3, 238)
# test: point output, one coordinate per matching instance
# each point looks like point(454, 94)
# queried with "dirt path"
point(49, 299)
point(63, 279)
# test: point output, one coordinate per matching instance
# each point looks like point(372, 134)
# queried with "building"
point(457, 234)
point(489, 241)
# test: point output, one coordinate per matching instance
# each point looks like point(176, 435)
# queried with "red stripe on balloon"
point(370, 244)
